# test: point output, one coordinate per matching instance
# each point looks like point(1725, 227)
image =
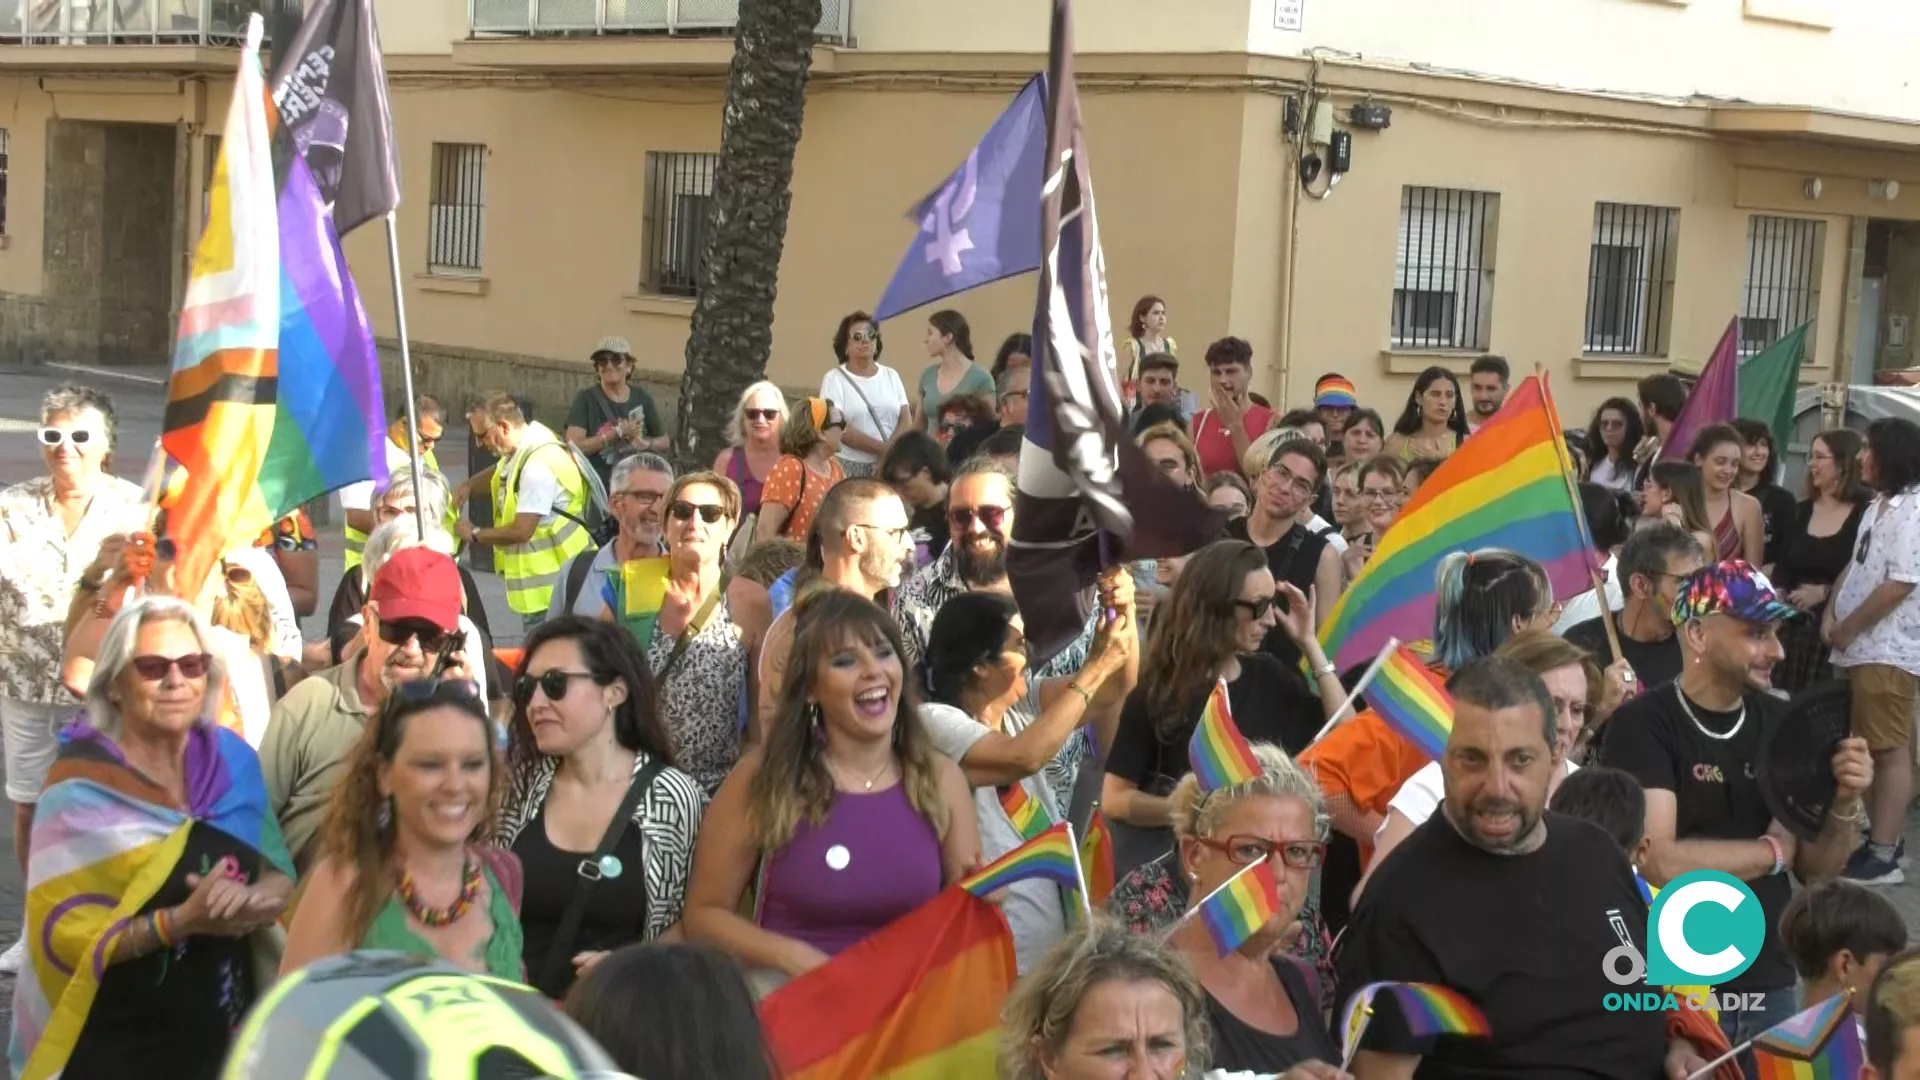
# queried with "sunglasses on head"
point(417, 691)
point(237, 575)
point(429, 636)
point(761, 414)
point(155, 668)
point(990, 516)
point(554, 683)
point(684, 511)
point(53, 436)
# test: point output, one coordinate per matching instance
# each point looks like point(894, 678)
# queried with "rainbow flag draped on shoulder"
point(274, 397)
point(1506, 487)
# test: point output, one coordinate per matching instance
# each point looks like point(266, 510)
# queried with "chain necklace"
point(1704, 730)
point(867, 785)
point(433, 917)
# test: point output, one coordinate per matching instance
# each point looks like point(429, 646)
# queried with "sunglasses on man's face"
point(429, 636)
point(155, 668)
point(684, 511)
point(990, 517)
point(53, 436)
point(769, 415)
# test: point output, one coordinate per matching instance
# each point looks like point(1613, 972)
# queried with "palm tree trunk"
point(732, 330)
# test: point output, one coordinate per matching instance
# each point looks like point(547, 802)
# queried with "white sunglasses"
point(53, 436)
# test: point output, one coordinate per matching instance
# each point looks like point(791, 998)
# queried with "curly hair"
point(1039, 1016)
point(793, 781)
point(1196, 632)
point(352, 835)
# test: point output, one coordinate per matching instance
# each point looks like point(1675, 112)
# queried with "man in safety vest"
point(539, 501)
point(357, 499)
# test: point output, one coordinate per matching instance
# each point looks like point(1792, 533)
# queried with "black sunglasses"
point(398, 631)
point(553, 683)
point(761, 414)
point(684, 511)
point(155, 668)
point(1256, 609)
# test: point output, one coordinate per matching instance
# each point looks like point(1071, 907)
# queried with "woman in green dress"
point(405, 865)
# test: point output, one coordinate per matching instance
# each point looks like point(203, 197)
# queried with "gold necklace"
point(870, 781)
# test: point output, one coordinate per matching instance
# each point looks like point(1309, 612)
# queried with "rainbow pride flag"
point(1413, 701)
point(1506, 487)
point(1237, 910)
point(1029, 818)
point(1049, 855)
point(919, 999)
point(274, 398)
point(635, 591)
point(1218, 754)
point(1426, 1010)
point(1096, 859)
point(1817, 1043)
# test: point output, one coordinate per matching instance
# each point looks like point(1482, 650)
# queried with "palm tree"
point(732, 330)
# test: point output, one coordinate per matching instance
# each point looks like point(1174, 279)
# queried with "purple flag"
point(330, 84)
point(1714, 400)
point(983, 224)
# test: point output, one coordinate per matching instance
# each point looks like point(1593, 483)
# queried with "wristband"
point(1081, 690)
point(162, 930)
point(1779, 854)
point(1328, 668)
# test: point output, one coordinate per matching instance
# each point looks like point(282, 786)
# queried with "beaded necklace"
point(433, 917)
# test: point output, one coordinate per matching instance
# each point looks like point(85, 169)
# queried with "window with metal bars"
point(1443, 269)
point(3, 181)
point(1630, 272)
point(679, 197)
point(1782, 287)
point(456, 208)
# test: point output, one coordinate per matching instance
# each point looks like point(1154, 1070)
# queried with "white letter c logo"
point(1673, 937)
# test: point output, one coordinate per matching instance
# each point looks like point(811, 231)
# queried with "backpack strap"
point(561, 949)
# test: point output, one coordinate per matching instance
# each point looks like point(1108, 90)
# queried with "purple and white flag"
point(983, 224)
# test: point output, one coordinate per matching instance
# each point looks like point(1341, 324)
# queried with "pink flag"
point(1715, 400)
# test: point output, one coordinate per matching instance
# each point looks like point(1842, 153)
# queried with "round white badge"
point(838, 857)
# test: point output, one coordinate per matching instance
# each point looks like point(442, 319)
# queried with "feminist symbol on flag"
point(946, 222)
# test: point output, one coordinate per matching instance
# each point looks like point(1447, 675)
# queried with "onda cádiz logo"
point(1704, 928)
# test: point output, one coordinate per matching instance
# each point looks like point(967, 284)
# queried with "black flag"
point(1086, 494)
point(330, 84)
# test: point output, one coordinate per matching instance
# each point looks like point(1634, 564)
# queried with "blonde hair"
point(1196, 813)
point(242, 608)
point(1039, 1016)
point(1171, 432)
point(737, 426)
point(116, 652)
point(1253, 463)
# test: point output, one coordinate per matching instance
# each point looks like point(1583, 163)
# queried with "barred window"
point(1630, 274)
point(1782, 287)
point(3, 181)
point(1443, 269)
point(456, 209)
point(679, 198)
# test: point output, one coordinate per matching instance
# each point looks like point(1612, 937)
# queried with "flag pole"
point(1579, 511)
point(1194, 908)
point(1362, 1011)
point(1079, 871)
point(406, 375)
point(1359, 688)
point(1707, 1069)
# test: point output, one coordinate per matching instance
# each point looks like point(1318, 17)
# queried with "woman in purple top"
point(753, 442)
point(846, 819)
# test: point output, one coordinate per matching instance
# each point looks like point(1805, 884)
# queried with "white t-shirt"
point(1420, 796)
point(878, 416)
point(1320, 526)
point(252, 698)
point(540, 490)
point(359, 495)
point(273, 586)
point(1584, 606)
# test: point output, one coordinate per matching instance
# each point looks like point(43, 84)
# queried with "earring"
point(816, 723)
point(384, 819)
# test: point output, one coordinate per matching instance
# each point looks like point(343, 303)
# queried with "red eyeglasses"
point(1247, 850)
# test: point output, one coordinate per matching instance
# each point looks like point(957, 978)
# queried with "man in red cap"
point(412, 610)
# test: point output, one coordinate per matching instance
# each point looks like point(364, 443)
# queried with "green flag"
point(1768, 382)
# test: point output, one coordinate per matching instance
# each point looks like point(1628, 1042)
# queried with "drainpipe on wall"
point(1290, 261)
point(1833, 396)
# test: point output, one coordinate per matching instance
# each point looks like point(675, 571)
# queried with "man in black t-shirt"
point(1652, 563)
point(1512, 906)
point(1694, 745)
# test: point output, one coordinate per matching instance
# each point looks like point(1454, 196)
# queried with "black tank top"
point(616, 912)
point(1238, 1047)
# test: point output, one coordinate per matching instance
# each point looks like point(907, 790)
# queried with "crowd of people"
point(766, 708)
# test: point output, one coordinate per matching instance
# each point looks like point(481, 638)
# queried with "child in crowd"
point(1839, 936)
point(1611, 799)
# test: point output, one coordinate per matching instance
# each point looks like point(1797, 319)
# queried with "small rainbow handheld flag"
point(635, 592)
point(1413, 701)
point(1219, 755)
point(1818, 1043)
point(1049, 855)
point(1096, 859)
point(1425, 1008)
point(1237, 910)
point(1029, 818)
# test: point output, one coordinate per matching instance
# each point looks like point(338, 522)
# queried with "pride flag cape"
point(634, 592)
point(1413, 701)
point(919, 999)
point(1237, 910)
point(274, 396)
point(1096, 859)
point(1218, 754)
point(1506, 487)
point(104, 842)
point(1818, 1043)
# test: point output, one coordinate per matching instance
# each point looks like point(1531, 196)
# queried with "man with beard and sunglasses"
point(412, 612)
point(1511, 905)
point(980, 519)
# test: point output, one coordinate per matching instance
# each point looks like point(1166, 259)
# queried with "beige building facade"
point(1596, 187)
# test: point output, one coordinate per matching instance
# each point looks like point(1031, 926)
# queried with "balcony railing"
point(128, 22)
point(527, 18)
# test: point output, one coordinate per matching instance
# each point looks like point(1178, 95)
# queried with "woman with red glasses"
point(155, 875)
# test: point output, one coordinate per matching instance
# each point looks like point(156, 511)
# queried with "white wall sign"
point(1287, 14)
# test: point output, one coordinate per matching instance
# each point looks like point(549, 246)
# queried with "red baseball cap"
point(419, 583)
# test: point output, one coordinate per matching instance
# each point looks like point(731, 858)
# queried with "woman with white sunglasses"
point(50, 532)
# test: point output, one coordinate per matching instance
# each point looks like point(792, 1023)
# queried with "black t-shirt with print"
point(1524, 937)
point(1270, 703)
point(1716, 791)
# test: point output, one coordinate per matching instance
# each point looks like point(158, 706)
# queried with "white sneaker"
point(13, 958)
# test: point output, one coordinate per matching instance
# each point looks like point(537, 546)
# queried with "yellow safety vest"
point(533, 569)
point(398, 463)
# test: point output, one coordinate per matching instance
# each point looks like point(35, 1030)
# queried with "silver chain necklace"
point(1704, 730)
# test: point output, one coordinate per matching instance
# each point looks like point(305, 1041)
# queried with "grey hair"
point(1648, 550)
point(73, 398)
point(116, 652)
point(645, 461)
point(1497, 682)
point(1197, 813)
point(737, 424)
point(398, 535)
point(1005, 383)
point(985, 465)
point(1039, 1016)
point(432, 501)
